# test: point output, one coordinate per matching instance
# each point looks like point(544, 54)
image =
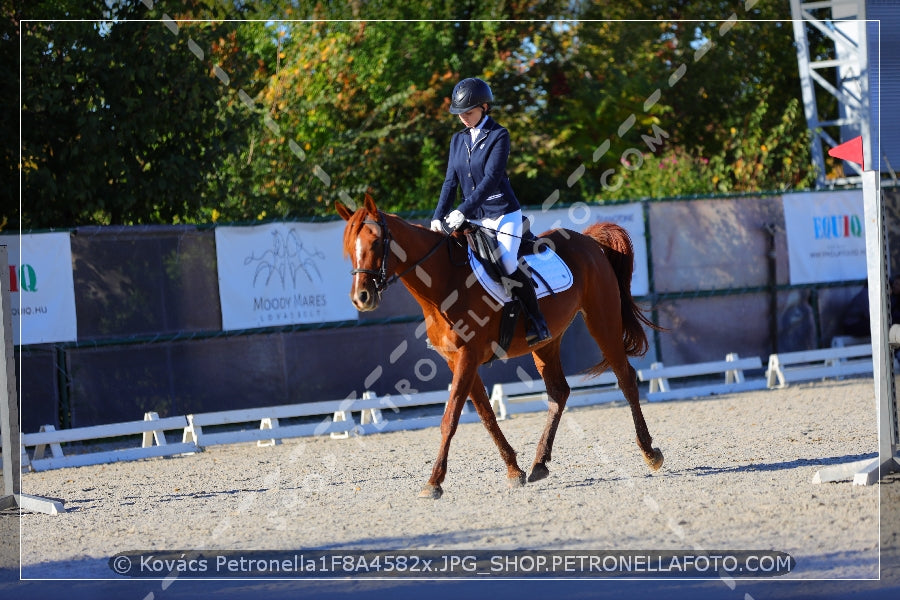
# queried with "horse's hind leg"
point(515, 475)
point(609, 337)
point(549, 365)
point(652, 456)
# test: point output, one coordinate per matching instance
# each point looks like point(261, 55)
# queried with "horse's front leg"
point(464, 371)
point(515, 476)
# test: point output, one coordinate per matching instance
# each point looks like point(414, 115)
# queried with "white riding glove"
point(455, 219)
point(436, 226)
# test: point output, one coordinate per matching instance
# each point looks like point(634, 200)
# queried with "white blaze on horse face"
point(359, 279)
point(359, 252)
point(363, 292)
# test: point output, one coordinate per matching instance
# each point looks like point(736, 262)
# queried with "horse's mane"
point(357, 220)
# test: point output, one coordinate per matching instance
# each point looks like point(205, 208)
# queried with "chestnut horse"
point(463, 322)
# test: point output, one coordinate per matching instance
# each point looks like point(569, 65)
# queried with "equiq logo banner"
point(282, 274)
point(42, 289)
point(826, 236)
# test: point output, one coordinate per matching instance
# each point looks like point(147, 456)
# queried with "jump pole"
point(867, 472)
point(9, 411)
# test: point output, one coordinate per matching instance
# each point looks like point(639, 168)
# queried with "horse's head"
point(367, 243)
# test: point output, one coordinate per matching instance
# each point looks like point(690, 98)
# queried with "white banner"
point(578, 216)
point(826, 236)
point(42, 288)
point(283, 274)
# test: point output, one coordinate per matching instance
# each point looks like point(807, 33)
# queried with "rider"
point(477, 164)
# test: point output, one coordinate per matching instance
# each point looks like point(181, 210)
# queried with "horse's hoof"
point(655, 461)
point(431, 492)
point(538, 471)
point(516, 481)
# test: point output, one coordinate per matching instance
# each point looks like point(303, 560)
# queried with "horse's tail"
point(620, 252)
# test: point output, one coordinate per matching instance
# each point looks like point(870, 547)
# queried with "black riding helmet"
point(468, 94)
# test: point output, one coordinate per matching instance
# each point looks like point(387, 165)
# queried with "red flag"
point(851, 150)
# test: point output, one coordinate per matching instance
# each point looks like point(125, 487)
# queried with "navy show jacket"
point(479, 169)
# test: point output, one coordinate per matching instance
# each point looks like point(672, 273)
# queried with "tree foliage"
point(200, 116)
point(120, 122)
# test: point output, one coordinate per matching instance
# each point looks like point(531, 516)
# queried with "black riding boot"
point(537, 330)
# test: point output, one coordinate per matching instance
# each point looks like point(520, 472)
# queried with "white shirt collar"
point(476, 131)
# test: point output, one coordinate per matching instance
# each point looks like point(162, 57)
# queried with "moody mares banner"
point(282, 274)
point(578, 216)
point(826, 236)
point(42, 290)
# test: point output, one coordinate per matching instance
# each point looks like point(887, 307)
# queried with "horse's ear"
point(342, 210)
point(370, 204)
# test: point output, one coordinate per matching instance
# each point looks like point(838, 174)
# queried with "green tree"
point(9, 111)
point(698, 89)
point(355, 106)
point(182, 121)
point(122, 123)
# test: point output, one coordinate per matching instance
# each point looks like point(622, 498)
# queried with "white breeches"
point(509, 236)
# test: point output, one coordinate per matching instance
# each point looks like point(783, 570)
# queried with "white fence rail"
point(807, 365)
point(733, 367)
point(151, 431)
point(266, 425)
point(531, 396)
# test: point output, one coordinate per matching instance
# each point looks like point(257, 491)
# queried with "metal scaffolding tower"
point(838, 63)
point(842, 72)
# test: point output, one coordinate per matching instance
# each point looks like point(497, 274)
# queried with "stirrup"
point(537, 332)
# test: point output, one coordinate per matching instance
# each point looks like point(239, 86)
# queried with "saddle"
point(486, 249)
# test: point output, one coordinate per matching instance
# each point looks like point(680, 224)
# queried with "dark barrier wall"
point(144, 281)
point(702, 246)
point(149, 321)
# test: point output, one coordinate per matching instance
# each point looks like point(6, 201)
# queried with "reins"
point(428, 254)
point(380, 276)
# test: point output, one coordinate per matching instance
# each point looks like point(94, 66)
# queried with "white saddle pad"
point(547, 263)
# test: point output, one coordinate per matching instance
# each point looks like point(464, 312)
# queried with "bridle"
point(380, 276)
